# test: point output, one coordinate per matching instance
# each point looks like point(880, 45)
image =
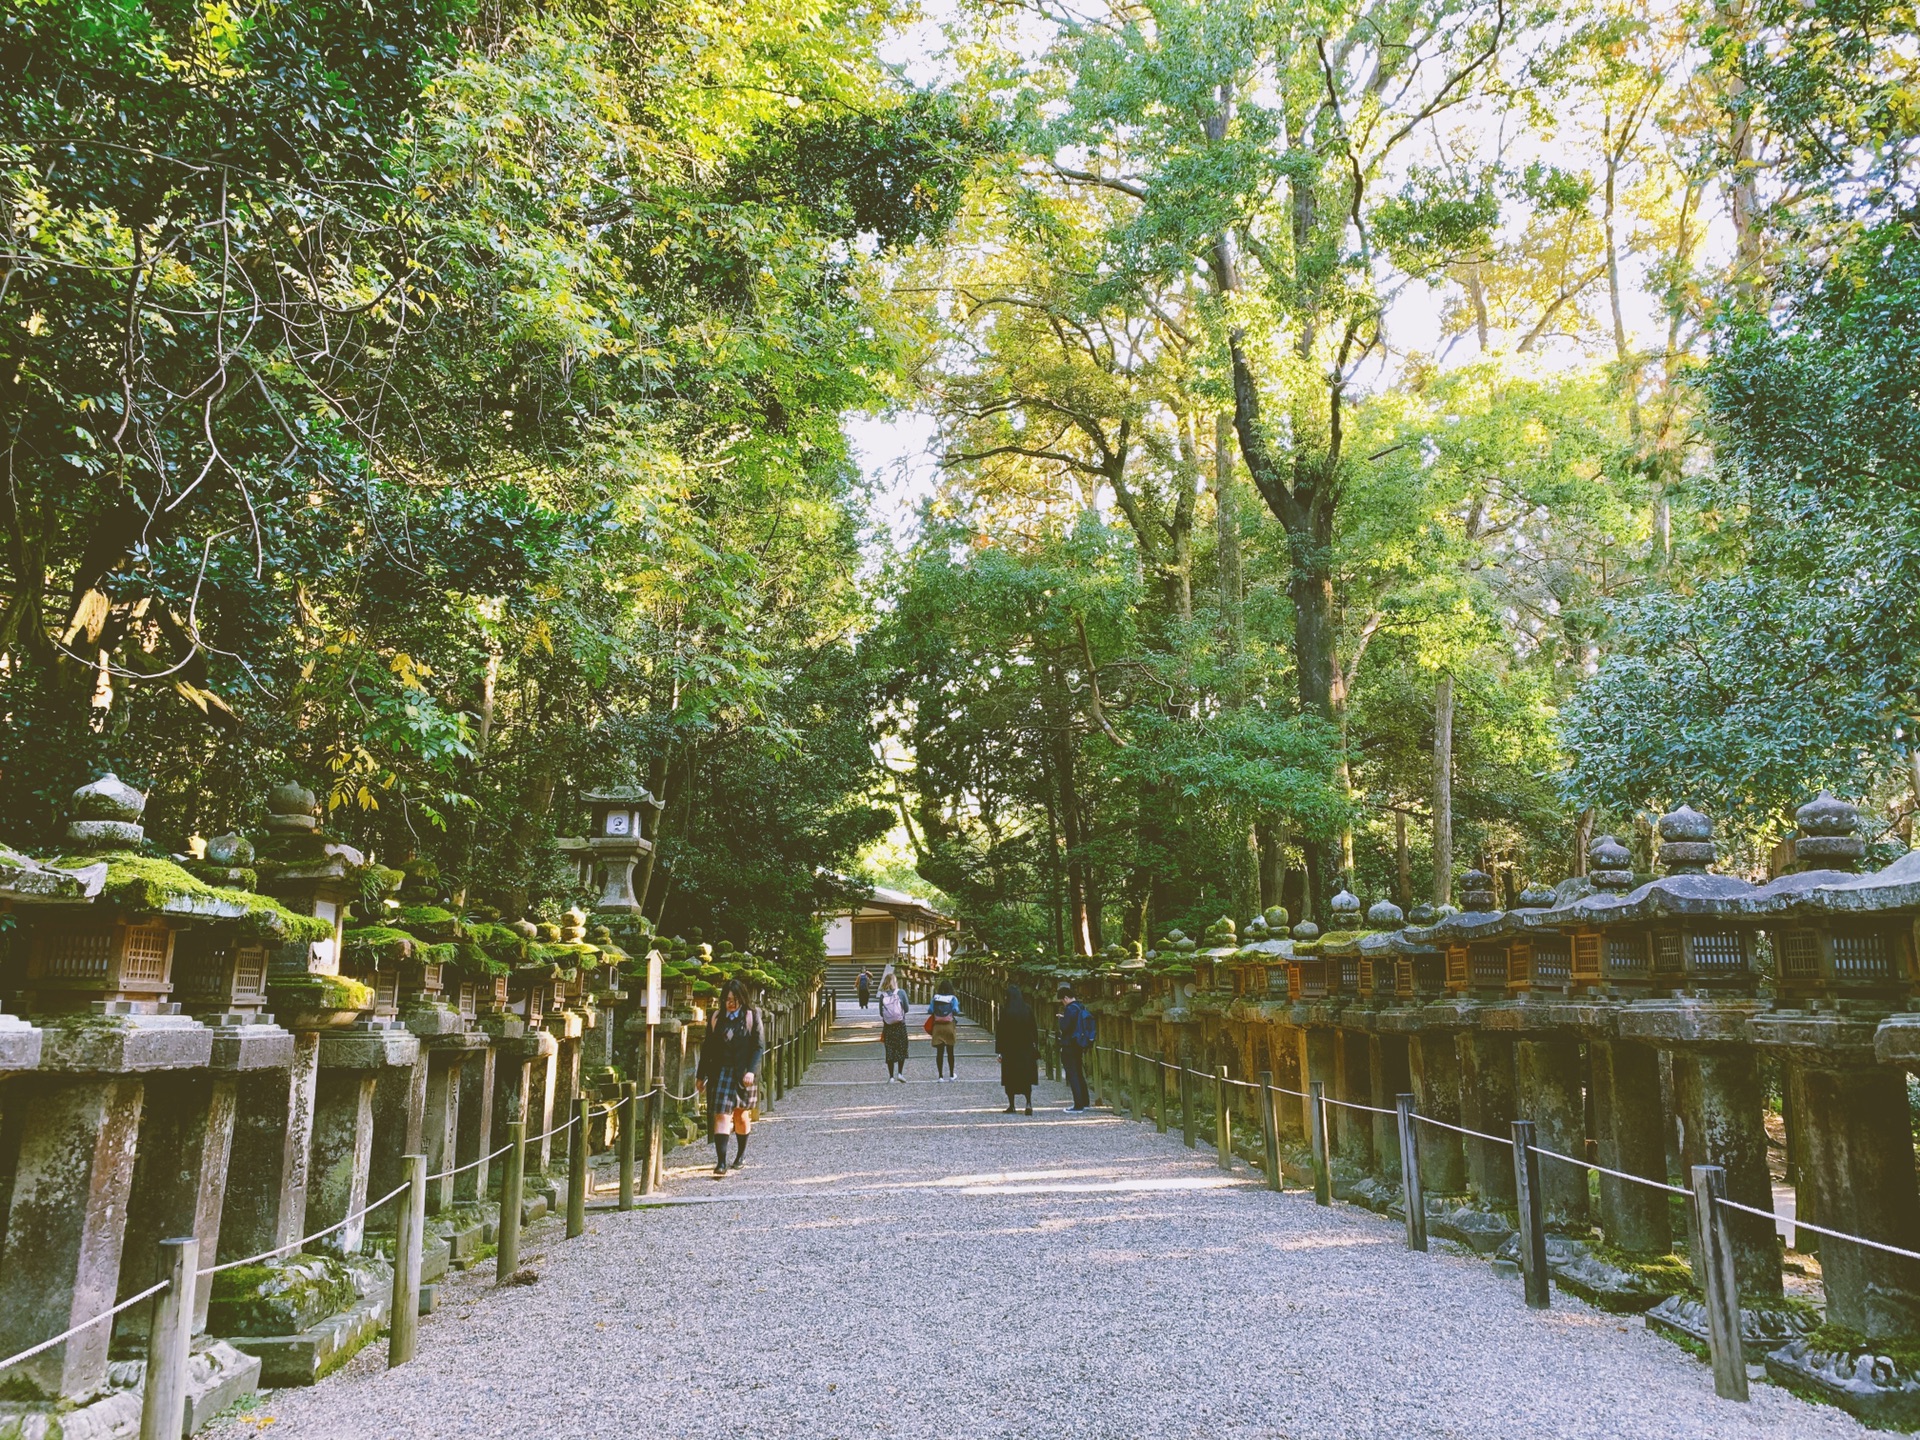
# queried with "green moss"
point(319, 992)
point(429, 922)
point(476, 961)
point(149, 885)
point(378, 944)
point(1903, 1350)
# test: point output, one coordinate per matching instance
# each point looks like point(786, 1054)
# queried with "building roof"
point(897, 903)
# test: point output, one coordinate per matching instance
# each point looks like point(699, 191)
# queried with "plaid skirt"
point(728, 1093)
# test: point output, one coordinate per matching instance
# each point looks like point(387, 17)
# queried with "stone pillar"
point(342, 1153)
point(399, 1125)
point(1353, 1129)
point(545, 1081)
point(1630, 1126)
point(1392, 1077)
point(1322, 1062)
point(1721, 1101)
point(266, 1200)
point(440, 1124)
point(1549, 1090)
point(1434, 1063)
point(474, 1141)
point(1858, 1161)
point(65, 1226)
point(179, 1183)
point(1486, 1105)
point(1285, 1050)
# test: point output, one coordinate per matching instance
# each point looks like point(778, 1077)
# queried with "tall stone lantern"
point(617, 840)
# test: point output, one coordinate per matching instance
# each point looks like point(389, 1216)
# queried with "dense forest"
point(1373, 438)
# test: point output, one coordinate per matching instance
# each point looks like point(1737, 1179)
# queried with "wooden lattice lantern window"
point(467, 999)
point(386, 992)
point(215, 973)
point(1862, 956)
point(117, 965)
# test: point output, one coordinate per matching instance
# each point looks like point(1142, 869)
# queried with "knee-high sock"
point(739, 1148)
point(720, 1148)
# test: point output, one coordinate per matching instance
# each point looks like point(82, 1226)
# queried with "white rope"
point(470, 1165)
point(127, 1304)
point(1617, 1174)
point(1818, 1229)
point(1353, 1105)
point(304, 1239)
point(1462, 1130)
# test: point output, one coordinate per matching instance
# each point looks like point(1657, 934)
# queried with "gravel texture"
point(905, 1260)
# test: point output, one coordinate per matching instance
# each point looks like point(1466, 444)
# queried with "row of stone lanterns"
point(216, 1045)
point(1635, 1024)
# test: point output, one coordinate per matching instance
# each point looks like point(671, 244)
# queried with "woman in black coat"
point(1019, 1045)
point(729, 1059)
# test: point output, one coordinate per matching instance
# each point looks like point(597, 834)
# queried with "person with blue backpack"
point(943, 1026)
point(1077, 1036)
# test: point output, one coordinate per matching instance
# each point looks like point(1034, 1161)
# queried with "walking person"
point(1077, 1035)
point(729, 1059)
point(864, 987)
point(943, 1025)
point(1019, 1045)
point(893, 1025)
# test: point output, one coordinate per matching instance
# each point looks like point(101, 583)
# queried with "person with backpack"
point(893, 1025)
point(729, 1057)
point(943, 1026)
point(1018, 1042)
point(1077, 1036)
point(864, 987)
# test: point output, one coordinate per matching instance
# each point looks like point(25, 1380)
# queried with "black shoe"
point(737, 1163)
point(1029, 1107)
point(1009, 1107)
point(720, 1171)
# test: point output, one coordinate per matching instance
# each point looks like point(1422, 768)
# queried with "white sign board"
point(653, 987)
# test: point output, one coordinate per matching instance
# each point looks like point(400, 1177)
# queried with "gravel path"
point(904, 1261)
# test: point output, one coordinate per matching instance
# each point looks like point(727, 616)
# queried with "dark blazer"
point(740, 1053)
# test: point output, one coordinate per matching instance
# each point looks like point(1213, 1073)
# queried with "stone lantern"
point(1835, 956)
point(101, 958)
point(617, 839)
point(218, 976)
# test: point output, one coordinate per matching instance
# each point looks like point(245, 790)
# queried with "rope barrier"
point(1354, 1105)
point(470, 1165)
point(1817, 1229)
point(1617, 1174)
point(127, 1304)
point(1462, 1130)
point(304, 1239)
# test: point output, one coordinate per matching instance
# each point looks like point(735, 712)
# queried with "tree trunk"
point(1582, 838)
point(1081, 927)
point(1226, 521)
point(656, 787)
point(1443, 791)
point(1273, 863)
point(1403, 862)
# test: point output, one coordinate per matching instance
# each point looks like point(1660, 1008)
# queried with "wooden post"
point(404, 1321)
point(1159, 1095)
point(1136, 1088)
point(1533, 1219)
point(1719, 1282)
point(163, 1406)
point(1187, 1106)
point(1270, 1129)
point(511, 1180)
point(1317, 1123)
point(1222, 1120)
point(629, 1122)
point(1415, 1194)
point(577, 1169)
point(650, 1141)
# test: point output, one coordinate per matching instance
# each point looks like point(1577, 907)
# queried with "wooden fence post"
point(1719, 1281)
point(1270, 1129)
point(404, 1321)
point(511, 1181)
point(163, 1406)
point(1416, 1195)
point(1317, 1124)
point(1533, 1220)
